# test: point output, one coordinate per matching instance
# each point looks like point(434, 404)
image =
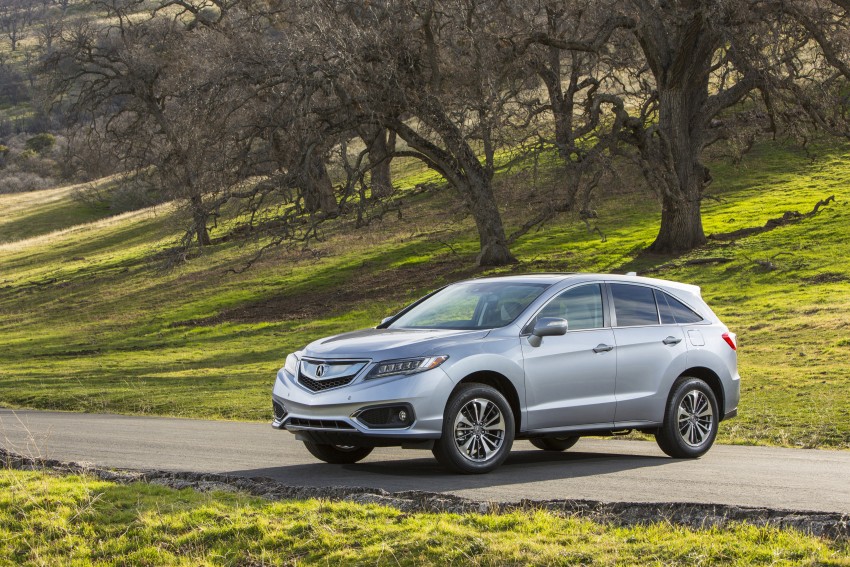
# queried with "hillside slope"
point(89, 321)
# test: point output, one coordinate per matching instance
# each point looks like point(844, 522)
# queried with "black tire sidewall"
point(330, 454)
point(445, 448)
point(554, 443)
point(670, 440)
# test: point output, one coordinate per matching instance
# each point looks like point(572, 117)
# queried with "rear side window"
point(580, 306)
point(634, 305)
point(683, 314)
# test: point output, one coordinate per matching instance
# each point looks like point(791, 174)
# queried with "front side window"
point(634, 305)
point(472, 305)
point(580, 306)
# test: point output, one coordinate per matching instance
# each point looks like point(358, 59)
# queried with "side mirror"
point(547, 327)
point(384, 321)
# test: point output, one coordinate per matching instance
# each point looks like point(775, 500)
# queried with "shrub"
point(40, 143)
point(22, 181)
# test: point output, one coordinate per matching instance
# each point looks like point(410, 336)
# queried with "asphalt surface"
point(597, 469)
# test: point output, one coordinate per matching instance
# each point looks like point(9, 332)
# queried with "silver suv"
point(547, 357)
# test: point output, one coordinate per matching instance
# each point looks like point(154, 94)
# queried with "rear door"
point(650, 352)
point(570, 379)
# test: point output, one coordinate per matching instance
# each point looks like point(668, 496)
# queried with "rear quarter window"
point(684, 315)
point(664, 309)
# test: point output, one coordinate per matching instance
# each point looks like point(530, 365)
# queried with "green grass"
point(25, 215)
point(89, 322)
point(74, 520)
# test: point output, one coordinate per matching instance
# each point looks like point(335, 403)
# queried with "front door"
point(570, 379)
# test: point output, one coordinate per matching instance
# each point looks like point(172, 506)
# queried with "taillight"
point(731, 340)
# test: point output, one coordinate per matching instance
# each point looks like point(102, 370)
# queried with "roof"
point(553, 278)
point(549, 278)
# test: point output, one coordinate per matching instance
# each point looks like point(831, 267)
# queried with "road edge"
point(692, 515)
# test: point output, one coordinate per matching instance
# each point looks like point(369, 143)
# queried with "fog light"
point(386, 417)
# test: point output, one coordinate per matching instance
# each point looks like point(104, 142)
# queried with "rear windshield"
point(472, 305)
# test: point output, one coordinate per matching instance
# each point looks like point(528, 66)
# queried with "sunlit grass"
point(48, 520)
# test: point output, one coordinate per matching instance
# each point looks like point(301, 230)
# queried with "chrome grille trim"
point(319, 375)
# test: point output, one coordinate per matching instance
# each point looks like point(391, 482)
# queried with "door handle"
point(602, 347)
point(671, 341)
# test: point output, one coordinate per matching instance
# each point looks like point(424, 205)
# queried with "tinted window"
point(580, 306)
point(664, 309)
point(684, 315)
point(634, 305)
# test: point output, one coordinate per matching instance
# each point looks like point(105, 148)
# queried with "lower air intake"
point(319, 423)
point(279, 411)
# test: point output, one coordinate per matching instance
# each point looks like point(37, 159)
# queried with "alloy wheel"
point(695, 418)
point(479, 430)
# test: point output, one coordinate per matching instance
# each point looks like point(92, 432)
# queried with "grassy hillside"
point(47, 520)
point(90, 322)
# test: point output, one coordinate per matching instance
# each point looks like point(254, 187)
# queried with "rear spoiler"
point(688, 288)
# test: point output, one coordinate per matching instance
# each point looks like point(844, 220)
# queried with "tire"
point(478, 430)
point(554, 443)
point(691, 420)
point(338, 454)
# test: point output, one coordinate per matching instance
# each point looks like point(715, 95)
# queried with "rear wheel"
point(478, 430)
point(338, 454)
point(554, 443)
point(691, 420)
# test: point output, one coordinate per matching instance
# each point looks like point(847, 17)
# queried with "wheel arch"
point(503, 385)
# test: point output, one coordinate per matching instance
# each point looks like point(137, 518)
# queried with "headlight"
point(406, 366)
point(291, 366)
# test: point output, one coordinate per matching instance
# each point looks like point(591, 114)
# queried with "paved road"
point(597, 469)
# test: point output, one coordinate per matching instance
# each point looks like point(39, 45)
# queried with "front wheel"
point(338, 454)
point(691, 420)
point(478, 430)
point(554, 443)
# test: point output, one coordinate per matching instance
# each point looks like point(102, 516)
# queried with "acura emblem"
point(320, 370)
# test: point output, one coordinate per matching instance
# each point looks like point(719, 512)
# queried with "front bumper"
point(330, 416)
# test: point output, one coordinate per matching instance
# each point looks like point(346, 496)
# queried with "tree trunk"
point(459, 164)
point(681, 227)
point(200, 217)
point(681, 140)
point(317, 188)
point(381, 144)
point(562, 110)
point(491, 232)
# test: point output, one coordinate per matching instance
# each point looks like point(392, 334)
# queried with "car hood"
point(385, 344)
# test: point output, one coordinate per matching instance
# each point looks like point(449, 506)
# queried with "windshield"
point(472, 305)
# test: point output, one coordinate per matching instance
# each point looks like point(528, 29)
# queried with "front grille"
point(319, 423)
point(319, 375)
point(322, 385)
